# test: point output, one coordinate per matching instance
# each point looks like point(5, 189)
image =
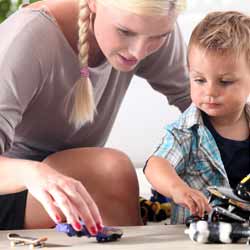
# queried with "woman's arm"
point(13, 174)
point(55, 191)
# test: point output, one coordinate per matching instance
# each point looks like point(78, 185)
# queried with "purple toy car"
point(105, 235)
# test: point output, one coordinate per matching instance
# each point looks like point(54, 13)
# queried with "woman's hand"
point(191, 198)
point(56, 191)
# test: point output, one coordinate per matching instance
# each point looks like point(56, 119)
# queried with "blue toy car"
point(105, 235)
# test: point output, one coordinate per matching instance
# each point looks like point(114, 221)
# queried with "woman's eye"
point(199, 81)
point(158, 38)
point(124, 32)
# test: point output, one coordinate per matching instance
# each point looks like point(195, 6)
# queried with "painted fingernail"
point(58, 218)
point(99, 226)
point(93, 230)
point(78, 226)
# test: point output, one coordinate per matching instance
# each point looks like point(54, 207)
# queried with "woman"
point(55, 121)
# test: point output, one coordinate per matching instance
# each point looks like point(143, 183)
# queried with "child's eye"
point(226, 82)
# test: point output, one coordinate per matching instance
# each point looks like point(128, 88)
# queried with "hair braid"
point(84, 104)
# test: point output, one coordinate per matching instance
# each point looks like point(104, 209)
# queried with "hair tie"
point(85, 71)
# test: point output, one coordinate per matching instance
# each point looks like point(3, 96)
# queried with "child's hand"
point(191, 198)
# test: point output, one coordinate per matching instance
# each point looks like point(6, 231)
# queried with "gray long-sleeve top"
point(39, 70)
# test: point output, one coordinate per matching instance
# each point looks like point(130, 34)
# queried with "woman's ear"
point(92, 5)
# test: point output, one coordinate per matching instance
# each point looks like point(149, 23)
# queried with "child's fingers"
point(191, 204)
point(194, 200)
point(202, 203)
point(199, 205)
point(207, 206)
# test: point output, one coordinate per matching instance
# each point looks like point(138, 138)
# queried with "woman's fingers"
point(76, 203)
point(65, 205)
point(58, 192)
point(84, 204)
point(49, 205)
point(91, 205)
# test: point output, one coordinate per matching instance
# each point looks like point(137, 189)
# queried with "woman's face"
point(126, 38)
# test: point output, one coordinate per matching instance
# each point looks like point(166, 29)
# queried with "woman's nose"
point(139, 49)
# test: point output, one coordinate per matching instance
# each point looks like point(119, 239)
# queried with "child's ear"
point(92, 5)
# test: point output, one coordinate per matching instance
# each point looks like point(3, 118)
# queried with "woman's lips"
point(128, 61)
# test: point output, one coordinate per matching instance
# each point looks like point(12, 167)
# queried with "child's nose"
point(211, 89)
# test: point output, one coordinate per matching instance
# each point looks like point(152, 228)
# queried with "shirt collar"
point(191, 117)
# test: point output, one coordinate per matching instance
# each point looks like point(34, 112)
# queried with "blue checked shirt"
point(191, 149)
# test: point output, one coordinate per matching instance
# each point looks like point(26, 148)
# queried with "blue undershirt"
point(235, 155)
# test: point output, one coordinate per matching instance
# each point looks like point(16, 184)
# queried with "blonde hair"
point(84, 108)
point(223, 32)
point(147, 7)
point(83, 103)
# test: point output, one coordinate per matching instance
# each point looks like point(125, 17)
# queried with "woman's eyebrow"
point(164, 34)
point(136, 33)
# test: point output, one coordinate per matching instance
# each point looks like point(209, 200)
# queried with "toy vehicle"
point(16, 239)
point(218, 232)
point(105, 235)
point(227, 222)
point(233, 205)
point(243, 189)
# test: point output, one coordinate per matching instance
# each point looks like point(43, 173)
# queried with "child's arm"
point(165, 180)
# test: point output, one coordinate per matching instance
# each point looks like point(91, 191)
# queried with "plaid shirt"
point(191, 149)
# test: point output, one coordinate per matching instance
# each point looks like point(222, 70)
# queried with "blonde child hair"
point(224, 32)
point(83, 104)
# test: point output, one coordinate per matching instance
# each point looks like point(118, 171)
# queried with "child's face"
point(126, 38)
point(220, 84)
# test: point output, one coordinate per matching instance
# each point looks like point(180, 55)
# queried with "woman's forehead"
point(143, 7)
point(138, 23)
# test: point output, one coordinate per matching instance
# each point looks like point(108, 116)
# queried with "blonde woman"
point(65, 68)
